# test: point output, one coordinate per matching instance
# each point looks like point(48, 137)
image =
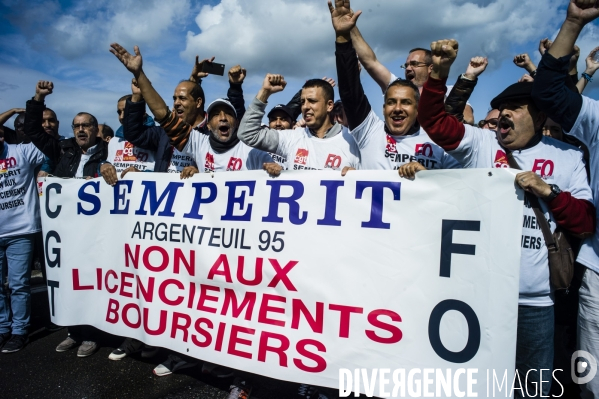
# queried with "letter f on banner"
point(447, 245)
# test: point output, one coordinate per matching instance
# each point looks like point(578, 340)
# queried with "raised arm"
point(550, 92)
point(8, 114)
point(250, 129)
point(444, 129)
point(457, 99)
point(34, 110)
point(591, 68)
point(367, 57)
point(351, 91)
point(235, 93)
point(177, 130)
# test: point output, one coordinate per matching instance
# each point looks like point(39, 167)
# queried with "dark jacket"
point(65, 154)
point(154, 138)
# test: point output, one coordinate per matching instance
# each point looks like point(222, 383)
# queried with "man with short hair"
point(322, 144)
point(105, 132)
point(554, 178)
point(579, 117)
point(16, 136)
point(397, 140)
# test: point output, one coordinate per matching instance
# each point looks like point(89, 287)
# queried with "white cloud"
point(296, 38)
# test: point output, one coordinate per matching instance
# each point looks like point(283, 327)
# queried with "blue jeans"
point(15, 261)
point(534, 350)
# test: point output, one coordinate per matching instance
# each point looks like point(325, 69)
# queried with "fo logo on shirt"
point(209, 164)
point(545, 166)
point(301, 156)
point(425, 150)
point(234, 164)
point(501, 160)
point(391, 145)
point(333, 161)
point(6, 164)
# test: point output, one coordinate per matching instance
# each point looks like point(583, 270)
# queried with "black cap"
point(284, 108)
point(517, 91)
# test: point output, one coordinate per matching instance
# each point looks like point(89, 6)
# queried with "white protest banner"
point(296, 277)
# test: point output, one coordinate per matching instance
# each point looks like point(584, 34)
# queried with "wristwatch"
point(555, 191)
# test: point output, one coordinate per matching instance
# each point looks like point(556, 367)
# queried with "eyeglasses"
point(85, 126)
point(491, 122)
point(414, 64)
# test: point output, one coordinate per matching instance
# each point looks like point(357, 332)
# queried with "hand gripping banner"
point(295, 277)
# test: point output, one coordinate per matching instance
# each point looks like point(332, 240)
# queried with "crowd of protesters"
point(543, 116)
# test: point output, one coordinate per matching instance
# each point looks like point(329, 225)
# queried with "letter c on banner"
point(58, 188)
point(434, 335)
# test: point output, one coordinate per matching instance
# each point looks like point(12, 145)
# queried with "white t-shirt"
point(179, 161)
point(305, 151)
point(381, 150)
point(19, 201)
point(586, 129)
point(240, 157)
point(122, 155)
point(557, 163)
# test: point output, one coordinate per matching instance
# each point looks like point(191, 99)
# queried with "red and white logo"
point(301, 156)
point(209, 164)
point(544, 166)
point(333, 161)
point(234, 164)
point(6, 164)
point(425, 150)
point(501, 160)
point(391, 145)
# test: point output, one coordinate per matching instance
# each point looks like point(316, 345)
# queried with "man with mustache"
point(79, 157)
point(578, 117)
point(553, 172)
point(220, 150)
point(397, 142)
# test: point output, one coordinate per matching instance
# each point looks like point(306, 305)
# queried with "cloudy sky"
point(67, 42)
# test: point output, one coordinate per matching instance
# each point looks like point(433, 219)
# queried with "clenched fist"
point(476, 67)
point(444, 53)
point(237, 74)
point(42, 89)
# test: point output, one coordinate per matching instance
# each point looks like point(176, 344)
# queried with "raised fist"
point(196, 72)
point(237, 74)
point(582, 11)
point(132, 62)
point(476, 66)
point(342, 16)
point(273, 83)
point(522, 60)
point(444, 53)
point(575, 57)
point(544, 45)
point(44, 88)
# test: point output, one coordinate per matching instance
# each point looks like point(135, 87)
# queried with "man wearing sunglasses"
point(78, 156)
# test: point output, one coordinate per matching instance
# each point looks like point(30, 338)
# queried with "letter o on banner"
point(434, 335)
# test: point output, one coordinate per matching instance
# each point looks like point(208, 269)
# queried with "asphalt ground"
point(38, 371)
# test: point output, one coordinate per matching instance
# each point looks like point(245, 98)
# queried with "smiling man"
point(74, 157)
point(398, 139)
point(555, 179)
point(322, 144)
